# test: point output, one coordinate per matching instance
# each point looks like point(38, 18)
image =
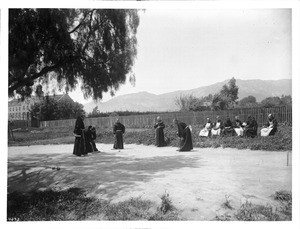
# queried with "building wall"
point(18, 110)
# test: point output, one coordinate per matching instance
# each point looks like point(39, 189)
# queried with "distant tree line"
point(226, 99)
point(96, 113)
point(50, 109)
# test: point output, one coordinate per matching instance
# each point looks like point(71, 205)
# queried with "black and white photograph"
point(172, 113)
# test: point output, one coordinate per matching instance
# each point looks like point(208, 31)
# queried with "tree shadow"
point(102, 173)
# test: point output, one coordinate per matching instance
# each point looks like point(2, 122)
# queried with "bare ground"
point(197, 181)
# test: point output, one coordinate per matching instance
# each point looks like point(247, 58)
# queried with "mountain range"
point(145, 101)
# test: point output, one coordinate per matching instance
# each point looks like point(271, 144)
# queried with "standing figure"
point(251, 127)
point(94, 136)
point(118, 131)
point(90, 137)
point(228, 128)
point(217, 127)
point(238, 127)
point(206, 131)
point(270, 128)
point(79, 132)
point(185, 135)
point(159, 133)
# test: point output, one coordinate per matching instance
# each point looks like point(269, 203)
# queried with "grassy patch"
point(73, 204)
point(166, 210)
point(254, 212)
point(282, 140)
point(285, 198)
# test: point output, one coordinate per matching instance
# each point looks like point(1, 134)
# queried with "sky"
point(186, 49)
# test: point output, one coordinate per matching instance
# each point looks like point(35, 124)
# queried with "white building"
point(20, 110)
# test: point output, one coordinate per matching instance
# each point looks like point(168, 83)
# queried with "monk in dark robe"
point(159, 133)
point(90, 137)
point(79, 132)
point(118, 130)
point(228, 128)
point(94, 136)
point(251, 127)
point(185, 135)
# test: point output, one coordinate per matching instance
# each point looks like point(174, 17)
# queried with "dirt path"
point(197, 181)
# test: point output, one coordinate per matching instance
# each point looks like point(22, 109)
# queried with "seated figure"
point(217, 127)
point(228, 128)
point(206, 131)
point(251, 127)
point(270, 128)
point(238, 127)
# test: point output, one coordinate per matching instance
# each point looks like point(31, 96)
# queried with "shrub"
point(253, 212)
point(166, 204)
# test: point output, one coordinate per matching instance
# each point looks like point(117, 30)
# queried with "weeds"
point(166, 204)
point(73, 204)
point(253, 212)
point(285, 198)
point(166, 210)
point(223, 217)
point(283, 195)
point(227, 203)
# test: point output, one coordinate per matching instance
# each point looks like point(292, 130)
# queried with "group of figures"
point(85, 138)
point(238, 128)
point(184, 134)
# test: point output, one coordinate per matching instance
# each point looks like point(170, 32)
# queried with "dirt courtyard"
point(196, 181)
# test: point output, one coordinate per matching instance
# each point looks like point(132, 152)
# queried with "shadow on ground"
point(102, 174)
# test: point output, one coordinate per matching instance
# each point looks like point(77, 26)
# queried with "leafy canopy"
point(49, 109)
point(249, 101)
point(94, 46)
point(223, 100)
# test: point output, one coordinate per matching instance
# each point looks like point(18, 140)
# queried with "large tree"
point(276, 101)
point(229, 93)
point(249, 101)
point(49, 109)
point(94, 46)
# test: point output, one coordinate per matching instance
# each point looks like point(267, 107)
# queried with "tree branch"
point(24, 81)
point(82, 22)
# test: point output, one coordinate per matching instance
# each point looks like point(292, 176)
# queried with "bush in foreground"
point(73, 204)
point(257, 212)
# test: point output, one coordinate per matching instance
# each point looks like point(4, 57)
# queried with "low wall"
point(282, 114)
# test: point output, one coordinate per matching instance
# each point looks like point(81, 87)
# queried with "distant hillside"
point(144, 101)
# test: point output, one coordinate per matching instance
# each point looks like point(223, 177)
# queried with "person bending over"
point(184, 133)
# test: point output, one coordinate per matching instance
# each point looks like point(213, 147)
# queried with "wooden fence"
point(282, 114)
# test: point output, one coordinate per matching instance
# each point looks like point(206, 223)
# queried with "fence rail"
point(282, 114)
